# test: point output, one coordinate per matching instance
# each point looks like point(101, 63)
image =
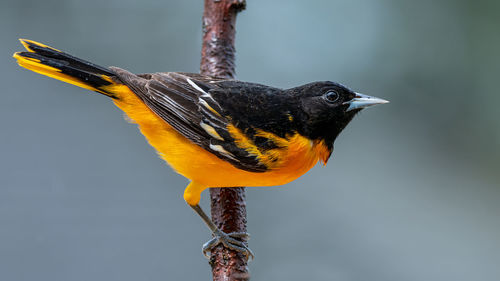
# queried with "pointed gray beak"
point(362, 101)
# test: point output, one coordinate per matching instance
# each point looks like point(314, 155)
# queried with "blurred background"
point(412, 191)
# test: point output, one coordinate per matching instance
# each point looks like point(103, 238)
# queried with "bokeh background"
point(412, 191)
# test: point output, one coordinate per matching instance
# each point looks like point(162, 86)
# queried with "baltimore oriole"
point(217, 132)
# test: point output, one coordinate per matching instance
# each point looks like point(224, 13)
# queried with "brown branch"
point(228, 205)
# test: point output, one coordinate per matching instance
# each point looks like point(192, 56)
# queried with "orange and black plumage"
point(217, 132)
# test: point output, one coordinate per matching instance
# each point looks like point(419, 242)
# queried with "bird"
point(216, 132)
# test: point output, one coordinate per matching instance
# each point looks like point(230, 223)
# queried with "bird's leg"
point(232, 241)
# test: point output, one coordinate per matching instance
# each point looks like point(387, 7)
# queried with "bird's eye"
point(331, 96)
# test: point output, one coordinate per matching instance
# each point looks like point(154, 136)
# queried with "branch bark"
point(228, 206)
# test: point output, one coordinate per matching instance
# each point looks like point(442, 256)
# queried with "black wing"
point(184, 101)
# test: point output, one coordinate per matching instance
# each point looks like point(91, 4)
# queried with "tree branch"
point(228, 206)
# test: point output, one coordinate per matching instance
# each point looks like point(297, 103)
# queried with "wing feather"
point(183, 100)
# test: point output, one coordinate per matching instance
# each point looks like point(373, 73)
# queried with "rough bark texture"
point(228, 207)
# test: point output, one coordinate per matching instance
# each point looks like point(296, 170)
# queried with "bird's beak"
point(362, 101)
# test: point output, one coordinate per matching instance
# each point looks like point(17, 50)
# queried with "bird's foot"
point(235, 241)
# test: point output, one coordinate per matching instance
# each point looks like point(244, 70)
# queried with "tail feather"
point(51, 62)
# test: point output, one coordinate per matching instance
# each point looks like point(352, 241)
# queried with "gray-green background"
point(412, 191)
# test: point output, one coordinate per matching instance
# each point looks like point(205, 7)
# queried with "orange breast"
point(199, 165)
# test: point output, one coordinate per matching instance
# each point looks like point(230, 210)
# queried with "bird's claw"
point(235, 241)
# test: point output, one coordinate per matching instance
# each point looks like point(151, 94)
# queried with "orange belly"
point(199, 165)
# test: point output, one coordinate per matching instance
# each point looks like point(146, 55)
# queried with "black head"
point(326, 108)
